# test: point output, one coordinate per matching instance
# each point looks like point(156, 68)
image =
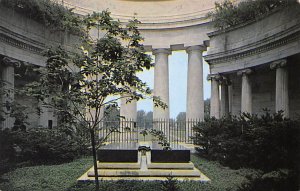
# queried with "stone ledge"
point(178, 166)
point(85, 178)
point(109, 165)
point(255, 48)
point(147, 173)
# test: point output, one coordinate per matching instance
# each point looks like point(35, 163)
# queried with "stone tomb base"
point(143, 169)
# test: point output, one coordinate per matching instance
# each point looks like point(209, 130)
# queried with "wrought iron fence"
point(130, 130)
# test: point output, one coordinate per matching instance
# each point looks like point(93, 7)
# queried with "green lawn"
point(45, 178)
point(63, 178)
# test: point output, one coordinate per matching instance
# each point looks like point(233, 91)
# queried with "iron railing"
point(130, 131)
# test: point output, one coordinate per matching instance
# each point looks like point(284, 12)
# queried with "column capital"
point(278, 64)
point(246, 71)
point(216, 77)
point(199, 48)
point(10, 62)
point(162, 50)
point(224, 80)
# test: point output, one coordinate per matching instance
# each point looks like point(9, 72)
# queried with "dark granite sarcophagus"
point(177, 154)
point(118, 152)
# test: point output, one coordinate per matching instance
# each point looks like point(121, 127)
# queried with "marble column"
point(195, 100)
point(102, 126)
point(246, 96)
point(230, 96)
point(8, 79)
point(215, 96)
point(282, 90)
point(128, 109)
point(161, 82)
point(224, 97)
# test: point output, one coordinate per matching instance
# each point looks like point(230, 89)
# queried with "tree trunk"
point(94, 158)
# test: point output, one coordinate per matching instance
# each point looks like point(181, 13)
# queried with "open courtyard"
point(149, 95)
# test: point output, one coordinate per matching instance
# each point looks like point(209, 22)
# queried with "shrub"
point(40, 146)
point(268, 142)
point(7, 152)
point(265, 142)
point(278, 180)
point(228, 14)
point(48, 146)
point(171, 184)
point(46, 12)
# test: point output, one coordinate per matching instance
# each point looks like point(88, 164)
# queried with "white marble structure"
point(282, 84)
point(261, 60)
point(8, 80)
point(161, 82)
point(215, 97)
point(128, 110)
point(22, 41)
point(195, 97)
point(166, 25)
point(250, 69)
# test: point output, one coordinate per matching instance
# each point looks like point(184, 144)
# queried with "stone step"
point(179, 166)
point(112, 165)
point(147, 173)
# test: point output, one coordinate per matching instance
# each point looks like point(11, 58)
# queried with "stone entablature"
point(24, 39)
point(153, 14)
point(275, 37)
point(261, 59)
point(20, 41)
point(161, 25)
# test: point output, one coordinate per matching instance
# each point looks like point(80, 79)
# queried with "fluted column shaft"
point(215, 96)
point(195, 100)
point(8, 78)
point(282, 90)
point(230, 97)
point(161, 82)
point(246, 96)
point(224, 98)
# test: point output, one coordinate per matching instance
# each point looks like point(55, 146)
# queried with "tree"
point(181, 117)
point(145, 120)
point(10, 108)
point(141, 116)
point(181, 120)
point(77, 85)
point(111, 114)
point(149, 116)
point(111, 118)
point(149, 120)
point(207, 108)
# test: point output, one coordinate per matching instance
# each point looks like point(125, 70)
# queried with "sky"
point(178, 65)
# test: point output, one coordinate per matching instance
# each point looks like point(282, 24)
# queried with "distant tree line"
point(145, 119)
